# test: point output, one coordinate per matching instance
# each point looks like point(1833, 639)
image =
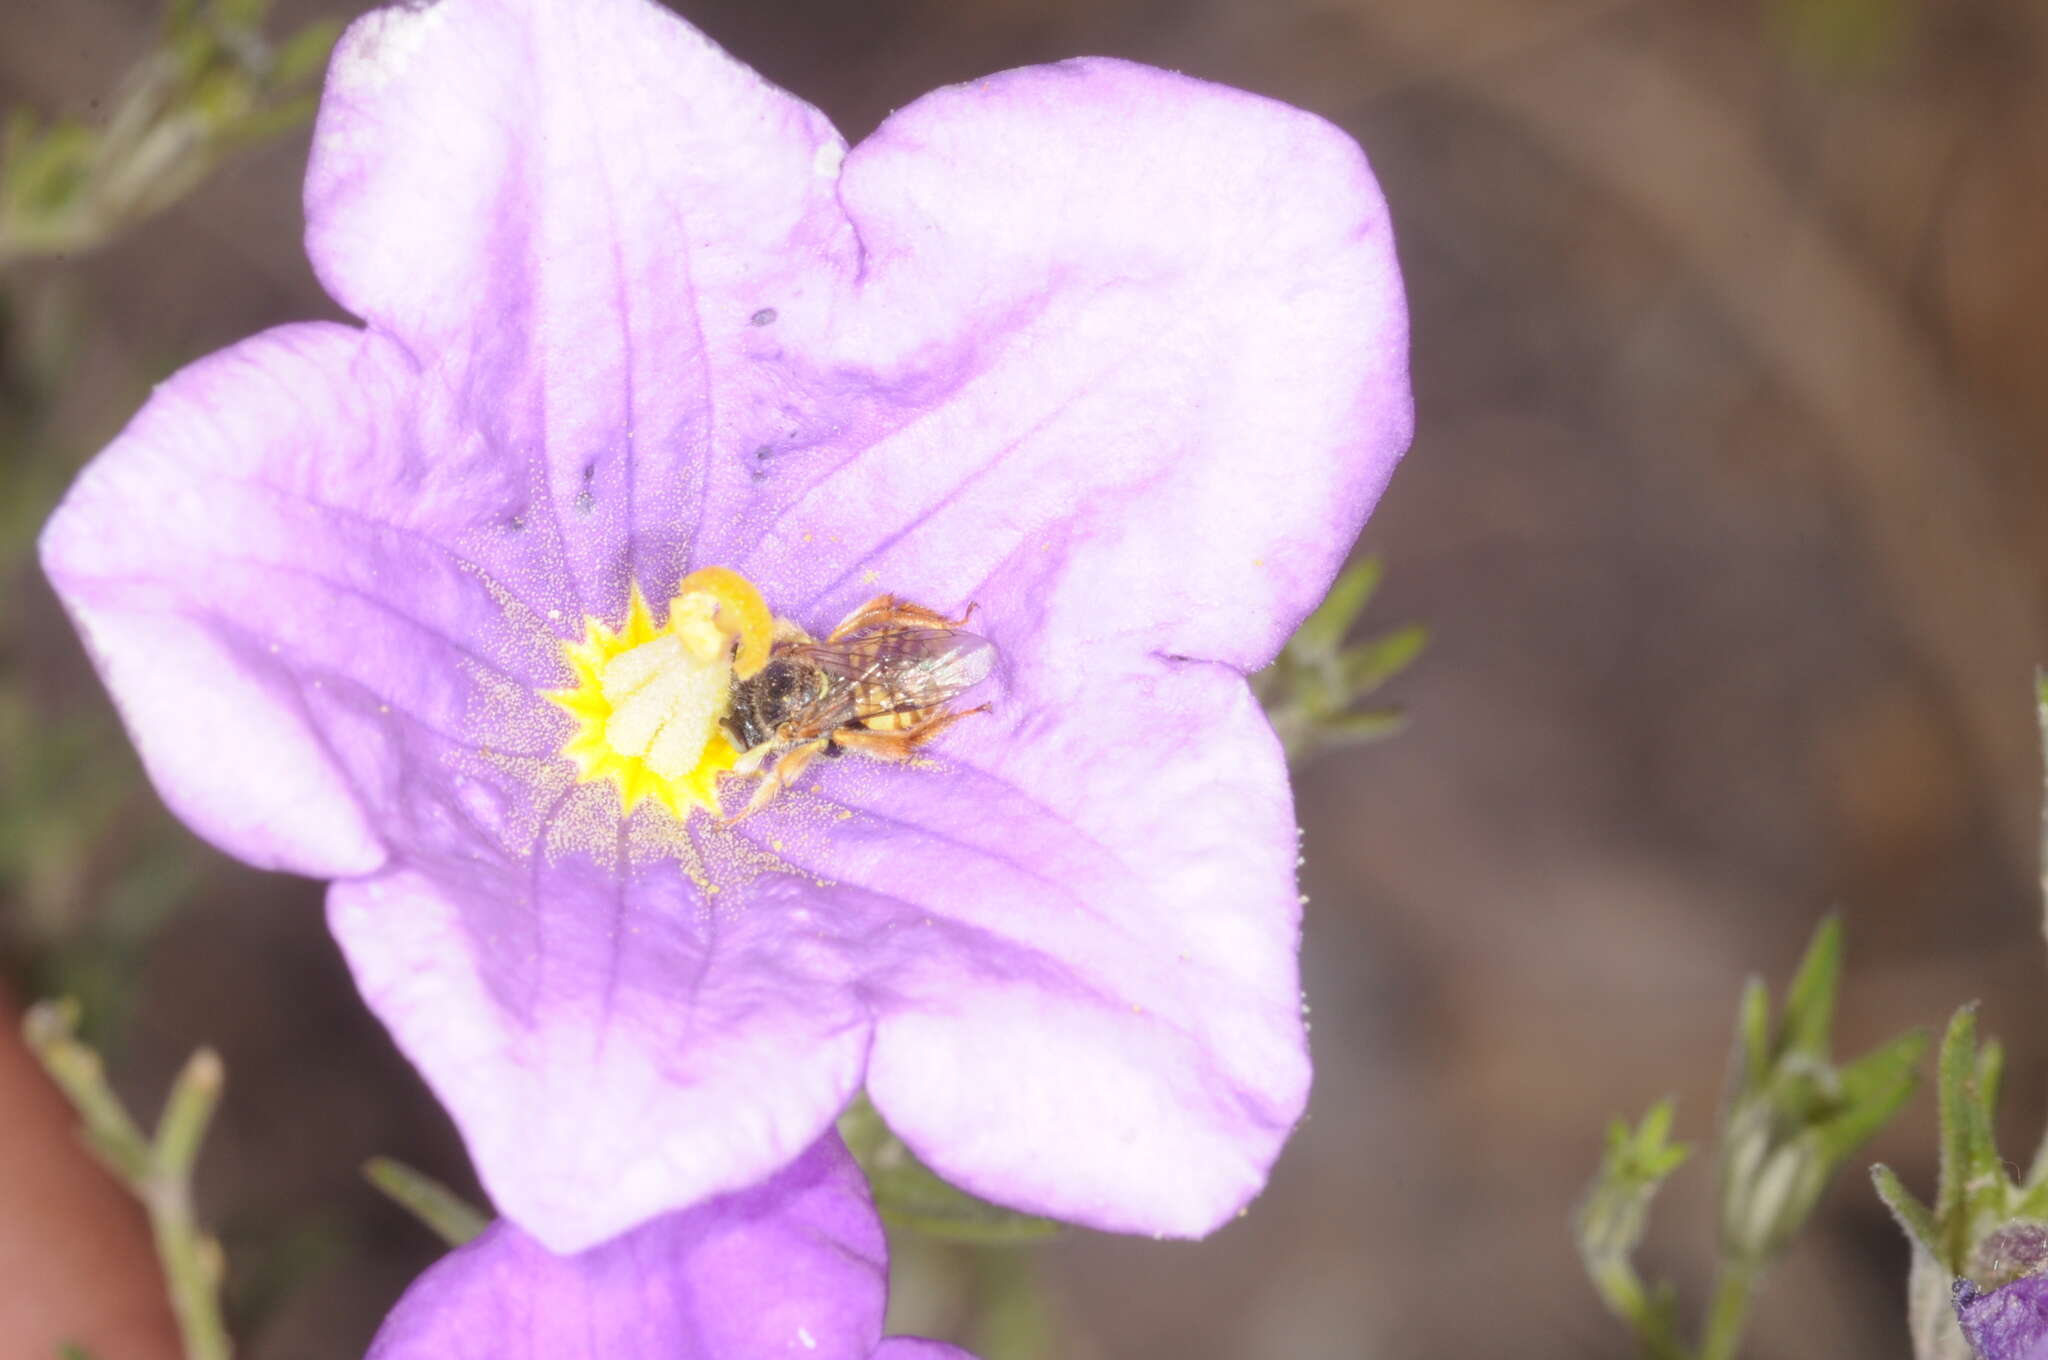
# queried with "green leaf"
point(1753, 1031)
point(1355, 729)
point(1371, 664)
point(304, 54)
point(1322, 632)
point(1873, 1088)
point(1955, 1080)
point(2033, 1203)
point(447, 1214)
point(1810, 999)
point(908, 1194)
point(1610, 1224)
point(1636, 1162)
point(1915, 1219)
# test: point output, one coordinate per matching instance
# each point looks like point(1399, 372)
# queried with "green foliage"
point(1987, 1223)
point(1312, 690)
point(1979, 1201)
point(452, 1218)
point(911, 1195)
point(212, 84)
point(156, 1168)
point(1613, 1217)
point(1791, 1119)
point(88, 859)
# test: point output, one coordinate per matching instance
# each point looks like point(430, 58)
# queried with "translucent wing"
point(901, 670)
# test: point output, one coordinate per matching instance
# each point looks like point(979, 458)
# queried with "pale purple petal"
point(1149, 349)
point(612, 1048)
point(794, 1267)
point(574, 211)
point(1114, 354)
point(2005, 1324)
point(289, 600)
point(1108, 1029)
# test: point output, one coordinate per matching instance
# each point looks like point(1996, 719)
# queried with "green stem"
point(1622, 1290)
point(1730, 1312)
point(450, 1217)
point(158, 1172)
point(1012, 1321)
point(192, 1259)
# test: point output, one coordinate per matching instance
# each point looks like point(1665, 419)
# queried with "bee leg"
point(876, 610)
point(900, 746)
point(779, 776)
point(888, 611)
point(754, 757)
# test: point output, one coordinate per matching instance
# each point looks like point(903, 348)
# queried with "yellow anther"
point(742, 614)
point(650, 696)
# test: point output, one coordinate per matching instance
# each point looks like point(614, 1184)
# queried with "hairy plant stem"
point(1729, 1314)
point(158, 1171)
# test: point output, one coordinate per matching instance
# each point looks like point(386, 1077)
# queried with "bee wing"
point(902, 670)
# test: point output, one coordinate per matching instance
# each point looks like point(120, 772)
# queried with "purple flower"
point(796, 1266)
point(1115, 355)
point(2009, 1323)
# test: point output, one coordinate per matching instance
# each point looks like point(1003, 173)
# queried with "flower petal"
point(793, 1267)
point(611, 1046)
point(586, 218)
point(1101, 1020)
point(2010, 1323)
point(1143, 329)
point(292, 606)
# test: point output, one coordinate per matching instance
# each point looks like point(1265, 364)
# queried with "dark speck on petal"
point(764, 317)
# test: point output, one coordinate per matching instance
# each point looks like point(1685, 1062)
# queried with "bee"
point(881, 683)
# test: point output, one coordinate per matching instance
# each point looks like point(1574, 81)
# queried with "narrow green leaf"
point(2033, 1203)
point(908, 1194)
point(1986, 1184)
point(1874, 1087)
point(913, 1196)
point(1954, 1077)
point(1322, 632)
point(1913, 1217)
point(1371, 664)
point(1355, 729)
point(1990, 1080)
point(1810, 1000)
point(304, 54)
point(1753, 1029)
point(452, 1218)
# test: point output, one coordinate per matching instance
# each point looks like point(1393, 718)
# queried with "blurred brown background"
point(1725, 511)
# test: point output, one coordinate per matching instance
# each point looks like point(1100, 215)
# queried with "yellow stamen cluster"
point(649, 697)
